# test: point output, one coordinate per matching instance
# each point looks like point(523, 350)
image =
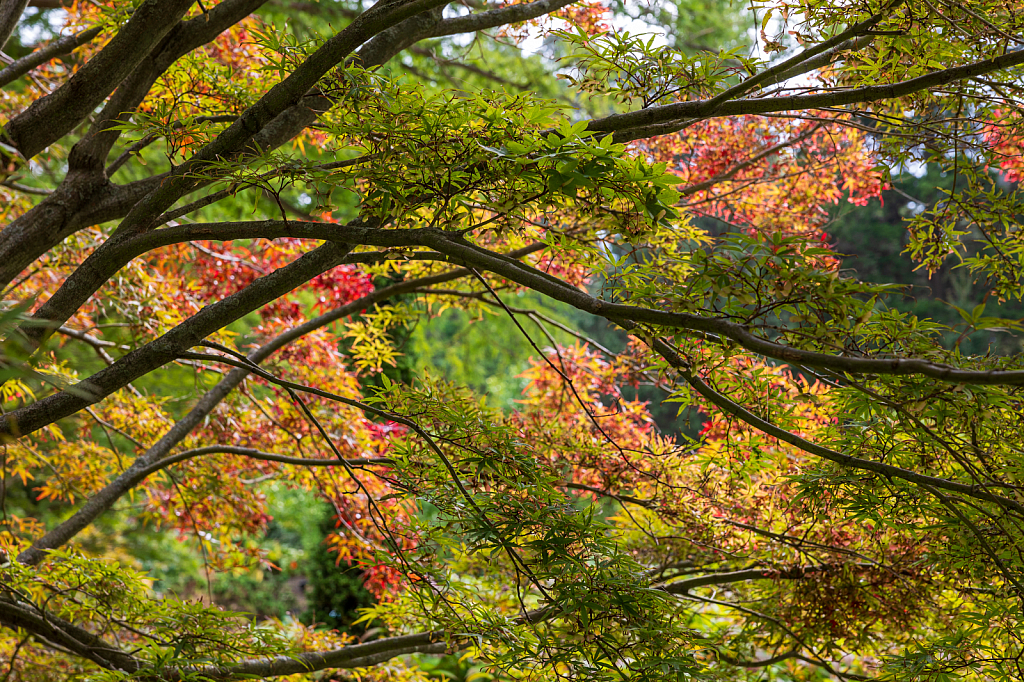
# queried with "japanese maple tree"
point(217, 218)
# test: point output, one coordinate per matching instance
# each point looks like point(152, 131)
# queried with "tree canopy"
point(226, 225)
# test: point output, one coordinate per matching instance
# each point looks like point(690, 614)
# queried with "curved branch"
point(353, 656)
point(816, 62)
point(56, 631)
point(280, 98)
point(628, 316)
point(86, 281)
point(101, 501)
point(742, 165)
point(779, 624)
point(61, 46)
point(764, 662)
point(166, 348)
point(53, 630)
point(252, 453)
point(886, 470)
point(82, 206)
point(91, 152)
point(466, 252)
point(10, 14)
point(644, 122)
point(795, 573)
point(462, 251)
point(793, 64)
point(86, 197)
point(121, 248)
point(50, 118)
point(511, 14)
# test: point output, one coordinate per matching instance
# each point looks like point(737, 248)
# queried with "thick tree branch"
point(61, 46)
point(166, 348)
point(18, 615)
point(50, 629)
point(86, 197)
point(252, 453)
point(80, 200)
point(511, 14)
point(628, 316)
point(978, 492)
point(101, 501)
point(91, 152)
point(121, 248)
point(79, 288)
point(82, 205)
point(50, 118)
point(730, 577)
point(281, 97)
point(292, 120)
point(631, 126)
point(10, 14)
point(645, 122)
point(354, 656)
point(465, 252)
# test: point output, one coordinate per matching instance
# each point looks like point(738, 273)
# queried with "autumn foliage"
point(222, 224)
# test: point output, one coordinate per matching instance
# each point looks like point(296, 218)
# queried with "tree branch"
point(736, 168)
point(10, 15)
point(50, 118)
point(101, 501)
point(354, 656)
point(166, 348)
point(17, 615)
point(795, 573)
point(511, 14)
point(628, 316)
point(61, 46)
point(90, 153)
point(86, 197)
point(782, 69)
point(762, 663)
point(121, 248)
point(639, 124)
point(886, 470)
point(258, 454)
point(465, 252)
point(280, 98)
